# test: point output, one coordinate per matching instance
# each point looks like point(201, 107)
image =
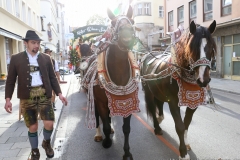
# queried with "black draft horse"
point(196, 43)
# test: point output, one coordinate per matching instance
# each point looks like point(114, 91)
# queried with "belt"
point(40, 86)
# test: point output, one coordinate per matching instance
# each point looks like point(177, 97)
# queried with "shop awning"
point(10, 34)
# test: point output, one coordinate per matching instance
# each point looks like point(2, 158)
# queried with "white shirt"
point(56, 66)
point(36, 76)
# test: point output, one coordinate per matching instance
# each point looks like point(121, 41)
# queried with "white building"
point(16, 17)
point(53, 28)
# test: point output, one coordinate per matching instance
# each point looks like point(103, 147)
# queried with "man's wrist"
point(8, 99)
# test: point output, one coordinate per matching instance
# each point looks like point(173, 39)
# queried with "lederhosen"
point(38, 103)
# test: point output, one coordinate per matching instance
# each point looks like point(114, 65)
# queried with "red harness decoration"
point(190, 95)
point(123, 105)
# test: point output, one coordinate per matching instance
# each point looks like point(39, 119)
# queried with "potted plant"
point(3, 75)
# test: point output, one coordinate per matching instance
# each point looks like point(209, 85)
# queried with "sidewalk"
point(225, 85)
point(14, 143)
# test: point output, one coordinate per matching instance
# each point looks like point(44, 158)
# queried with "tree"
point(96, 20)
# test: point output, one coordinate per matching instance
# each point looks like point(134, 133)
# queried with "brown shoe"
point(48, 149)
point(35, 154)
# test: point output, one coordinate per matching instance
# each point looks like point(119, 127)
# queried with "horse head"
point(199, 49)
point(123, 30)
point(85, 50)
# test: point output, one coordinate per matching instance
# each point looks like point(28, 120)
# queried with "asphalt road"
point(213, 134)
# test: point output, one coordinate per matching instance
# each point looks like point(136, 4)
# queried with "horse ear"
point(130, 12)
point(110, 14)
point(192, 27)
point(212, 27)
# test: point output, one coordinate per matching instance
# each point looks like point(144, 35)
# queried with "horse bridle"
point(115, 32)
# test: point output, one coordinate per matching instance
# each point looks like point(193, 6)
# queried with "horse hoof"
point(158, 132)
point(98, 138)
point(188, 147)
point(107, 143)
point(112, 131)
point(187, 157)
point(128, 157)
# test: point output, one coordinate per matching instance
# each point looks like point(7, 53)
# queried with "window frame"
point(205, 13)
point(147, 7)
point(170, 25)
point(226, 6)
point(161, 11)
point(193, 18)
point(178, 14)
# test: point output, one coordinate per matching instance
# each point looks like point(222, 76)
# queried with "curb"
point(57, 121)
point(223, 90)
point(2, 87)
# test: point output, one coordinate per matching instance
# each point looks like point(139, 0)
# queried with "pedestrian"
point(36, 80)
point(56, 69)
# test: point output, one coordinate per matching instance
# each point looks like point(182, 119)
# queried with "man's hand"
point(63, 99)
point(8, 105)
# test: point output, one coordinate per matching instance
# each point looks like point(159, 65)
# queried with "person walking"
point(56, 69)
point(36, 80)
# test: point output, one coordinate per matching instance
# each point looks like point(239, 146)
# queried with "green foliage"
point(3, 74)
point(96, 20)
point(73, 55)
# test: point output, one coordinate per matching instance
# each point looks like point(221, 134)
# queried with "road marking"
point(169, 145)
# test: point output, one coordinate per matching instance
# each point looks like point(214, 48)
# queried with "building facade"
point(17, 16)
point(149, 17)
point(226, 35)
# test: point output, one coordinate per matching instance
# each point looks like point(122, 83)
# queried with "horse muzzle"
point(204, 83)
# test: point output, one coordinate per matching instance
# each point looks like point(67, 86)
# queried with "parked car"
point(64, 70)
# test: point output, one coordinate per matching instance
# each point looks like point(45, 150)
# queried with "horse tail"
point(149, 102)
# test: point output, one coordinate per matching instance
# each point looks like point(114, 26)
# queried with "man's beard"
point(34, 51)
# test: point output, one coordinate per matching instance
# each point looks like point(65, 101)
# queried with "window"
point(9, 6)
point(17, 8)
point(37, 23)
point(147, 9)
point(58, 28)
point(170, 21)
point(23, 12)
point(207, 10)
point(226, 7)
point(180, 15)
point(139, 9)
point(29, 17)
point(42, 23)
point(161, 13)
point(193, 11)
point(34, 20)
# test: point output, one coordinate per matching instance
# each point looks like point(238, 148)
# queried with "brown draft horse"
point(119, 72)
point(196, 43)
point(87, 55)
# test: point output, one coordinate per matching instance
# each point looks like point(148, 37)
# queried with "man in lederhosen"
point(36, 80)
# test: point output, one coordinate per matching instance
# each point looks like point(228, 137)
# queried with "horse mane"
point(189, 46)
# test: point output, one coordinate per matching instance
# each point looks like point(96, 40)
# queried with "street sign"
point(69, 35)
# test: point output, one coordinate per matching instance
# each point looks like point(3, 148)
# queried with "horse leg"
point(110, 121)
point(98, 135)
point(151, 110)
point(103, 112)
point(187, 120)
point(159, 115)
point(179, 126)
point(126, 130)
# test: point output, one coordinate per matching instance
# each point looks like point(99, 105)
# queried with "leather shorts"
point(37, 104)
